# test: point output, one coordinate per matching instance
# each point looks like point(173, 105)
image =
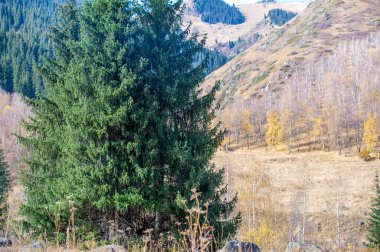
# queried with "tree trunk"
point(157, 225)
point(248, 140)
point(116, 231)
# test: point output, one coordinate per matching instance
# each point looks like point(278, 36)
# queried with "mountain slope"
point(215, 11)
point(265, 67)
point(320, 75)
point(219, 34)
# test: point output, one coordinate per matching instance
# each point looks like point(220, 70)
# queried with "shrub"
point(364, 154)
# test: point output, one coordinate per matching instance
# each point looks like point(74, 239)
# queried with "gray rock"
point(236, 246)
point(361, 223)
point(365, 244)
point(110, 248)
point(297, 247)
point(34, 247)
point(5, 242)
point(293, 247)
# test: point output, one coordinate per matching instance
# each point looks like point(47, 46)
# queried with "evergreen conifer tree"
point(182, 137)
point(4, 186)
point(123, 128)
point(374, 220)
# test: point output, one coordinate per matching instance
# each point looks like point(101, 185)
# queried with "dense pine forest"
point(280, 17)
point(23, 42)
point(215, 60)
point(217, 11)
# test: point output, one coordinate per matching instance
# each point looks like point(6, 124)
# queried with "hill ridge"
point(266, 66)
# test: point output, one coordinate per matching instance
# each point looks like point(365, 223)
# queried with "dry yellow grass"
point(282, 182)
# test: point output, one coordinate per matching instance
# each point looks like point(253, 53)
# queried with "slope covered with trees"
point(217, 11)
point(262, 71)
point(280, 17)
point(215, 60)
point(330, 104)
point(123, 129)
point(23, 40)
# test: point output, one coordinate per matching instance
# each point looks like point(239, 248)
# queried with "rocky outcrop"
point(236, 246)
point(109, 248)
point(34, 247)
point(297, 247)
point(5, 242)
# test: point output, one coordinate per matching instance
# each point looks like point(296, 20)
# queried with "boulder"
point(109, 248)
point(361, 223)
point(365, 244)
point(34, 247)
point(297, 247)
point(236, 246)
point(5, 242)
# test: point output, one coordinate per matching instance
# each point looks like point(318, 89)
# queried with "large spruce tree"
point(123, 127)
point(374, 220)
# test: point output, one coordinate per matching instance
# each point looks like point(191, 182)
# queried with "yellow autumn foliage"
point(263, 235)
point(274, 133)
point(6, 108)
point(370, 133)
point(247, 126)
point(318, 123)
point(224, 142)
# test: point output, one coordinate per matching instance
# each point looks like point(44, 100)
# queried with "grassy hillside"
point(281, 193)
point(319, 76)
point(218, 35)
point(259, 71)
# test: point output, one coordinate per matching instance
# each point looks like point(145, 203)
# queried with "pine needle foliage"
point(123, 128)
point(374, 219)
point(4, 187)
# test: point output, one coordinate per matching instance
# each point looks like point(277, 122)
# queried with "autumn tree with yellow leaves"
point(370, 133)
point(247, 125)
point(274, 133)
point(321, 105)
point(318, 131)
